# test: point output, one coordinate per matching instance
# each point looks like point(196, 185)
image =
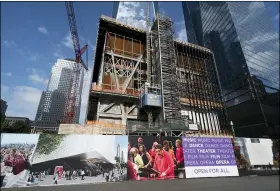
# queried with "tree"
point(3, 118)
point(5, 127)
point(17, 127)
point(48, 143)
point(20, 127)
point(49, 131)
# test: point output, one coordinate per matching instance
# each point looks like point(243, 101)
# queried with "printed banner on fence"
point(33, 160)
point(256, 152)
point(154, 158)
point(78, 159)
point(16, 158)
point(209, 157)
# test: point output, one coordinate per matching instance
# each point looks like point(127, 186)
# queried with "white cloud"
point(58, 54)
point(132, 4)
point(181, 33)
point(24, 52)
point(22, 100)
point(276, 17)
point(85, 94)
point(35, 78)
point(7, 74)
point(130, 13)
point(58, 51)
point(10, 44)
point(67, 41)
point(43, 30)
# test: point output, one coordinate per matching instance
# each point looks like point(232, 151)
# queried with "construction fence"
point(48, 159)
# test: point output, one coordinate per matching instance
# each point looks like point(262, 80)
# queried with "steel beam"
point(115, 71)
point(128, 80)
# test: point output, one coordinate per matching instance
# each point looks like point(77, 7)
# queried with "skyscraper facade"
point(53, 101)
point(246, 50)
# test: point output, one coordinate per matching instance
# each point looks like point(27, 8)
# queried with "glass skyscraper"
point(53, 100)
point(246, 49)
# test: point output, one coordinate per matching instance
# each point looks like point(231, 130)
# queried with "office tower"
point(53, 101)
point(183, 87)
point(4, 107)
point(246, 48)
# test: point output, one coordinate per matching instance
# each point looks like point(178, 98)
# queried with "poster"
point(145, 158)
point(16, 158)
point(78, 159)
point(58, 170)
point(209, 157)
point(256, 153)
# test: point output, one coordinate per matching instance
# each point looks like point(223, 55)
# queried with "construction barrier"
point(47, 159)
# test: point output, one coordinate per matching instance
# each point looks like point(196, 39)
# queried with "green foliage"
point(48, 143)
point(49, 131)
point(3, 117)
point(17, 127)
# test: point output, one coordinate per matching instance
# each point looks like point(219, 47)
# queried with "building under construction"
point(176, 89)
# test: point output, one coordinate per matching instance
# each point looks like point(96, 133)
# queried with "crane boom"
point(74, 34)
point(73, 95)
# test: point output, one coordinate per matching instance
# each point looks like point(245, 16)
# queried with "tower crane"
point(73, 93)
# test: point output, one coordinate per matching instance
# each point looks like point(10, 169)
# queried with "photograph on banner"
point(152, 158)
point(209, 157)
point(256, 153)
point(17, 152)
point(78, 159)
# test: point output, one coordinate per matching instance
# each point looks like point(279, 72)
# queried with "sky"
point(35, 34)
point(123, 142)
point(9, 138)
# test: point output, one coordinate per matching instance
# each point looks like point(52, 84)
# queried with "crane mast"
point(70, 112)
point(149, 68)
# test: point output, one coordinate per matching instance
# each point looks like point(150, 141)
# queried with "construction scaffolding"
point(173, 91)
point(199, 88)
point(164, 68)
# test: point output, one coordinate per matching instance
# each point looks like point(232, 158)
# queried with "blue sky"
point(35, 34)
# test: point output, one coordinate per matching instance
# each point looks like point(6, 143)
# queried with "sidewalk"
point(258, 172)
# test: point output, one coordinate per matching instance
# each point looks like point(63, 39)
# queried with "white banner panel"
point(209, 157)
point(210, 171)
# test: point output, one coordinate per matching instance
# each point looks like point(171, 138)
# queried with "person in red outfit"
point(16, 161)
point(169, 150)
point(153, 153)
point(179, 154)
point(131, 169)
point(129, 147)
point(163, 163)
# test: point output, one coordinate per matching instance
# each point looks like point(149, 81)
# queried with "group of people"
point(110, 174)
point(14, 160)
point(158, 162)
point(32, 178)
point(73, 174)
point(23, 149)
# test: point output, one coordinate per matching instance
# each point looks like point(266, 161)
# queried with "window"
point(255, 140)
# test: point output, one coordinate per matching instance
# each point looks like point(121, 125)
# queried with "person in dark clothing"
point(139, 142)
point(269, 166)
point(147, 159)
point(107, 176)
